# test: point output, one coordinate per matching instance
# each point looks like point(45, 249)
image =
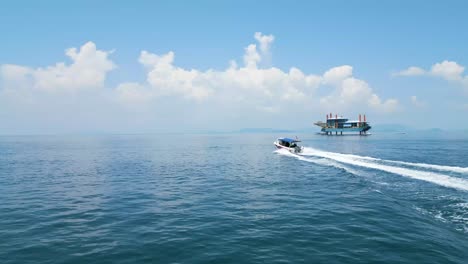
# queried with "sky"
point(185, 66)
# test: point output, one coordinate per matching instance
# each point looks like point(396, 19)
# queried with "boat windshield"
point(286, 143)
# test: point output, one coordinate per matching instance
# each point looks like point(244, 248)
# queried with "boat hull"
point(292, 150)
point(360, 130)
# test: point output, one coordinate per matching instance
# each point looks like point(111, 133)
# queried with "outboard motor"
point(297, 149)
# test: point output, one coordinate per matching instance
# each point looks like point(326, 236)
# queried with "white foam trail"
point(431, 166)
point(311, 151)
point(366, 162)
point(323, 162)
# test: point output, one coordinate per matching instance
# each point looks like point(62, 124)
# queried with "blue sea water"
point(231, 198)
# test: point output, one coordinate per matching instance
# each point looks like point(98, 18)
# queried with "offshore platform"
point(338, 125)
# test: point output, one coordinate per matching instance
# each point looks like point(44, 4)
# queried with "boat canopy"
point(289, 140)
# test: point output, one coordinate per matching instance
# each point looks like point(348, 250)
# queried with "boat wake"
point(414, 171)
point(319, 161)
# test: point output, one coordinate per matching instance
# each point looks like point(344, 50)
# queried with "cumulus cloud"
point(250, 81)
point(251, 87)
point(13, 73)
point(167, 79)
point(337, 74)
point(264, 41)
point(88, 69)
point(134, 93)
point(411, 71)
point(251, 56)
point(448, 70)
point(352, 91)
point(15, 76)
point(152, 60)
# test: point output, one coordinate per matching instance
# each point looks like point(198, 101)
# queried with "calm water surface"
point(233, 199)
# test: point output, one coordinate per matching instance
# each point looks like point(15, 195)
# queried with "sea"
point(233, 198)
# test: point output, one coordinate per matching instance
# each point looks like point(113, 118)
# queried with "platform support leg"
point(341, 132)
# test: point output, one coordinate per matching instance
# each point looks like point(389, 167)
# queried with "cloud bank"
point(447, 70)
point(265, 85)
point(88, 69)
point(252, 89)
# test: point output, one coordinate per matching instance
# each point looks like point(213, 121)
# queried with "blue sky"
point(365, 45)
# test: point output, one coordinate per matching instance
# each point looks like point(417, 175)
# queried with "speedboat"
point(288, 144)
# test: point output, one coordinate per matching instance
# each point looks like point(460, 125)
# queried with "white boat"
point(288, 144)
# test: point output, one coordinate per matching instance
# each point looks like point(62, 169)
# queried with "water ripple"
point(227, 199)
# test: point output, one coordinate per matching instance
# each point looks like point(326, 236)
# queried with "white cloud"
point(265, 41)
point(352, 91)
point(263, 85)
point(152, 60)
point(249, 89)
point(13, 72)
point(411, 71)
point(337, 74)
point(15, 77)
point(134, 93)
point(167, 79)
point(251, 56)
point(88, 69)
point(448, 70)
point(248, 83)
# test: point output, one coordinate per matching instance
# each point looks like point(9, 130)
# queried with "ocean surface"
point(231, 198)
